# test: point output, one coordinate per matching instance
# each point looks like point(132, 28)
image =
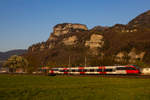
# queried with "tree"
point(16, 62)
point(141, 64)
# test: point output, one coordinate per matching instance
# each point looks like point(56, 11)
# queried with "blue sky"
point(25, 22)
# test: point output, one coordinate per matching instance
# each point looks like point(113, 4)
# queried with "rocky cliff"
point(119, 43)
point(65, 28)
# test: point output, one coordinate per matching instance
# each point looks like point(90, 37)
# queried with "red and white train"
point(98, 70)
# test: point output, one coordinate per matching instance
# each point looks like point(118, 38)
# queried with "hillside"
point(119, 44)
point(5, 55)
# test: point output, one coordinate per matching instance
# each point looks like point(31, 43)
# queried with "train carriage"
point(98, 70)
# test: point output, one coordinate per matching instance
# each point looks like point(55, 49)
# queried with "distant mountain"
point(5, 55)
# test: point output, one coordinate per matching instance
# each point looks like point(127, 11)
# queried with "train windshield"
point(137, 67)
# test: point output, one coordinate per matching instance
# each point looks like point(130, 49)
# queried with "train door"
point(103, 70)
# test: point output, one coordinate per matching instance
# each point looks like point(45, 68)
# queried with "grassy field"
point(21, 87)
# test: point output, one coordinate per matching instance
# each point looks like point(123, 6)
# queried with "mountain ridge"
point(102, 45)
point(5, 55)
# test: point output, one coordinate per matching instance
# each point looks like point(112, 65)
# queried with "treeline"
point(15, 62)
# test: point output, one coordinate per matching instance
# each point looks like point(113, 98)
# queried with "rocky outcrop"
point(66, 28)
point(124, 28)
point(60, 30)
point(132, 56)
point(70, 41)
point(52, 37)
point(96, 41)
point(99, 28)
point(135, 56)
point(120, 56)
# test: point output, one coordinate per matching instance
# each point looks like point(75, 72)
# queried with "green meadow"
point(28, 87)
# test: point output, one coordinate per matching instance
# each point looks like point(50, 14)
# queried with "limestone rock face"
point(120, 55)
point(42, 47)
point(99, 28)
point(52, 38)
point(133, 56)
point(70, 41)
point(65, 28)
point(96, 41)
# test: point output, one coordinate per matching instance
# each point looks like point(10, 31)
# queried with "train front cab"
point(127, 70)
point(132, 70)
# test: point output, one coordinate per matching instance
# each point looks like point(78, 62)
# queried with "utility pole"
point(69, 61)
point(85, 61)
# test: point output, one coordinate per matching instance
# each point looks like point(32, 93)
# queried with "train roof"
point(93, 67)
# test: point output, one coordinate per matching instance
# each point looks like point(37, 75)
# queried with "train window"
point(121, 68)
point(79, 70)
point(91, 70)
point(108, 70)
point(85, 70)
point(130, 68)
point(55, 69)
point(73, 70)
point(136, 67)
point(64, 70)
point(126, 68)
point(61, 70)
point(99, 70)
